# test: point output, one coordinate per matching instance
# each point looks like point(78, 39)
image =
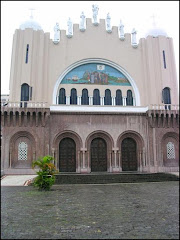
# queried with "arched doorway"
point(67, 155)
point(98, 155)
point(129, 156)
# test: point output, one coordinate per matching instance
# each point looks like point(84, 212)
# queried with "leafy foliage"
point(45, 178)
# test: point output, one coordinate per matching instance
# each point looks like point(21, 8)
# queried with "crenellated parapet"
point(24, 117)
point(163, 118)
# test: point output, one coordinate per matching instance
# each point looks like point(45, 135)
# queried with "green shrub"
point(45, 178)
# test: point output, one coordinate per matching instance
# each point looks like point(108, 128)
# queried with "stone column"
point(83, 152)
point(83, 165)
point(67, 100)
point(116, 163)
point(113, 101)
point(124, 101)
point(88, 161)
point(90, 100)
point(101, 101)
point(140, 160)
point(115, 160)
point(79, 100)
point(119, 155)
point(79, 162)
point(110, 161)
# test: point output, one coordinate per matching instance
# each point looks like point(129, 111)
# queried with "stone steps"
point(105, 178)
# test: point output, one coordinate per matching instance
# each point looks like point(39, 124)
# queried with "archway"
point(129, 155)
point(67, 155)
point(22, 150)
point(107, 141)
point(100, 61)
point(98, 155)
point(55, 146)
point(131, 145)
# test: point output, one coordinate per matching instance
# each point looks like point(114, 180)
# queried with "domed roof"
point(30, 24)
point(155, 32)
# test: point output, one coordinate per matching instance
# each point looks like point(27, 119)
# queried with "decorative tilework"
point(22, 151)
point(170, 151)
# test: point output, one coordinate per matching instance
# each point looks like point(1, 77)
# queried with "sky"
point(134, 14)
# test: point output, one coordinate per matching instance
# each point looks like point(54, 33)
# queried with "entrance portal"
point(98, 155)
point(129, 158)
point(67, 155)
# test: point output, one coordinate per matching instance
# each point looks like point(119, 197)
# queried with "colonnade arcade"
point(96, 99)
point(100, 152)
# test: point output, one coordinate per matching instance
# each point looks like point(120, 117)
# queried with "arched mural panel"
point(96, 71)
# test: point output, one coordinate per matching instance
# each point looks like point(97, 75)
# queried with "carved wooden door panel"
point(129, 157)
point(67, 155)
point(98, 155)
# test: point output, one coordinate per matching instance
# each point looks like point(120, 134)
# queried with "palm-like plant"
point(45, 178)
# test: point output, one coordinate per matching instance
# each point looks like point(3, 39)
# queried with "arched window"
point(85, 98)
point(170, 150)
point(62, 96)
point(22, 151)
point(73, 98)
point(166, 97)
point(96, 97)
point(25, 92)
point(119, 97)
point(129, 100)
point(107, 99)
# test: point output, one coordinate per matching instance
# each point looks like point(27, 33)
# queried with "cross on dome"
point(31, 9)
point(30, 23)
point(154, 19)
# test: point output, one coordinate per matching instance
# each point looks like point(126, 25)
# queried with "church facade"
point(93, 98)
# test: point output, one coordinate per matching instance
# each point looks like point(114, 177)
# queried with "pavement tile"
point(112, 211)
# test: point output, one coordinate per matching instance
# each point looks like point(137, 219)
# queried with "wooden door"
point(98, 155)
point(67, 155)
point(129, 156)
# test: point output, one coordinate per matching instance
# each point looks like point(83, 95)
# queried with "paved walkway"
point(112, 211)
point(16, 180)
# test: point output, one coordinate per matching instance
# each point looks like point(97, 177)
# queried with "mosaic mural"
point(94, 73)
